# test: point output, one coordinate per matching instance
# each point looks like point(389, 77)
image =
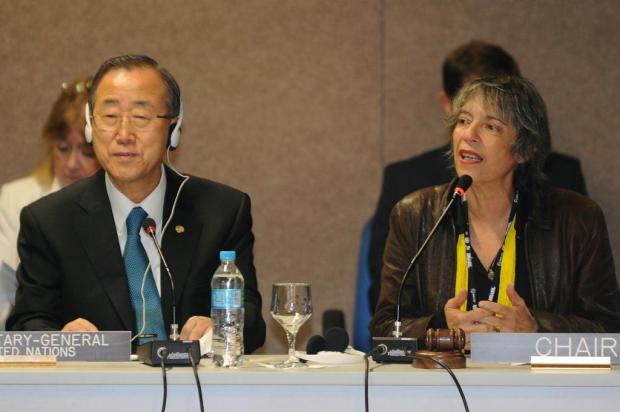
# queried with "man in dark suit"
point(466, 63)
point(75, 272)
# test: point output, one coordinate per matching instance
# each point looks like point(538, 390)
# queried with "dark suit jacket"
point(72, 265)
point(434, 168)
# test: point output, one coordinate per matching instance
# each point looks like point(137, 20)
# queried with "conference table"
point(124, 386)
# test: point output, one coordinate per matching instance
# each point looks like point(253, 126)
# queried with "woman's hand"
point(517, 318)
point(470, 321)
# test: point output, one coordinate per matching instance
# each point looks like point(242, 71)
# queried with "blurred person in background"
point(66, 158)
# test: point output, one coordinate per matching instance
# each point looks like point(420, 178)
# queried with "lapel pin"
point(179, 229)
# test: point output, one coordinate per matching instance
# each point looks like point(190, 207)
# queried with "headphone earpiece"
point(175, 136)
point(315, 345)
point(88, 128)
point(336, 339)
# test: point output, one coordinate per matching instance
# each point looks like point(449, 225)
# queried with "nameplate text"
point(520, 347)
point(68, 346)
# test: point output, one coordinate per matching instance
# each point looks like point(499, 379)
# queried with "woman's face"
point(72, 158)
point(482, 143)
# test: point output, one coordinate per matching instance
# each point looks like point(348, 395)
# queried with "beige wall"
point(300, 103)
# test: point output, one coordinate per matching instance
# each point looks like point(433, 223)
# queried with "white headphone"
point(88, 129)
point(175, 136)
point(173, 140)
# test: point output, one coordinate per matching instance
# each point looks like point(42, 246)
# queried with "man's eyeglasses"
point(110, 122)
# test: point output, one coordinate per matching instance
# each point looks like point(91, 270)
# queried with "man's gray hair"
point(131, 61)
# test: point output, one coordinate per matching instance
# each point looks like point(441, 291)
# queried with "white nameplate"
point(520, 347)
point(571, 362)
point(68, 346)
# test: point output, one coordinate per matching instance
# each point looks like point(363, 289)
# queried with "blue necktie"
point(136, 262)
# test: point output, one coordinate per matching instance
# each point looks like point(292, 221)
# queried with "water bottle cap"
point(227, 255)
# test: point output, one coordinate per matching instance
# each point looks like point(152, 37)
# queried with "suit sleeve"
point(378, 236)
point(579, 180)
point(38, 303)
point(241, 240)
point(565, 172)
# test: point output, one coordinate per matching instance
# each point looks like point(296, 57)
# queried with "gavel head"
point(442, 346)
point(445, 339)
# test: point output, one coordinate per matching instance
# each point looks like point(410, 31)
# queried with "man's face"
point(129, 150)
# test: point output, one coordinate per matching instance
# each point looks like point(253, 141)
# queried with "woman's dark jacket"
point(571, 274)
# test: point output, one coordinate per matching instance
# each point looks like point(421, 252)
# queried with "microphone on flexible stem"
point(148, 224)
point(173, 351)
point(461, 186)
point(405, 350)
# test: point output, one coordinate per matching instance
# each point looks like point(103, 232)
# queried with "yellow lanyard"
point(507, 272)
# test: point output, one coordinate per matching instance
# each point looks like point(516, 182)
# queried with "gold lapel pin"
point(179, 229)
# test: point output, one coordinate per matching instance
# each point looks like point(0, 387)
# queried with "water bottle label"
point(226, 298)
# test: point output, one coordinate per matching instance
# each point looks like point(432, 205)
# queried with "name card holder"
point(25, 360)
point(570, 362)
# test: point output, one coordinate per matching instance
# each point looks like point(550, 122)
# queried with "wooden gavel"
point(443, 345)
point(442, 340)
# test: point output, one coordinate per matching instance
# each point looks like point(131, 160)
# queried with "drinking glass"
point(291, 307)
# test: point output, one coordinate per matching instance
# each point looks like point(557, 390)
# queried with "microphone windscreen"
point(315, 345)
point(332, 318)
point(148, 223)
point(464, 182)
point(336, 340)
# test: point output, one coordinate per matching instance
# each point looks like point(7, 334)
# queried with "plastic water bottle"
point(227, 312)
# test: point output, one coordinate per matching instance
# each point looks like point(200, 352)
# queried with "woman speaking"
point(513, 254)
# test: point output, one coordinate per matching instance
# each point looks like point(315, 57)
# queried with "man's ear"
point(444, 102)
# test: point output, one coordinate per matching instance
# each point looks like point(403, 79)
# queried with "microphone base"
point(151, 353)
point(397, 350)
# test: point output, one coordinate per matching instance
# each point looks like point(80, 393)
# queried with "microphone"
point(315, 345)
point(406, 347)
point(173, 351)
point(336, 340)
point(148, 224)
point(332, 318)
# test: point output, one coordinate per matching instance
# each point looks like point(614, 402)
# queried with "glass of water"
point(291, 307)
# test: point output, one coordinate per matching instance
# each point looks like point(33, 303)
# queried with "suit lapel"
point(97, 233)
point(179, 242)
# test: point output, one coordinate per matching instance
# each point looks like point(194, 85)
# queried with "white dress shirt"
point(153, 205)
